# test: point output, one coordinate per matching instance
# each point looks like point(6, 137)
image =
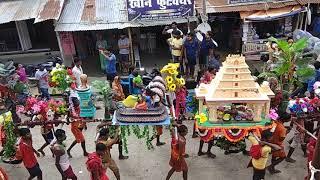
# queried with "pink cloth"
point(22, 74)
point(181, 95)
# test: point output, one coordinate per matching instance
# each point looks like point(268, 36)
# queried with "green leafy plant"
point(9, 147)
point(292, 66)
point(140, 134)
point(104, 89)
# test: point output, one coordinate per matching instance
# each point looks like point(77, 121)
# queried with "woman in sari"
point(117, 90)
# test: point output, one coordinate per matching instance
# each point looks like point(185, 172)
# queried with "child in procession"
point(26, 151)
point(206, 136)
point(119, 141)
point(62, 161)
point(178, 147)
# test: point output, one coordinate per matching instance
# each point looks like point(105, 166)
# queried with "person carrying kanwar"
point(77, 125)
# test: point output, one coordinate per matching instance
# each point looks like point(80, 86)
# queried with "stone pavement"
point(153, 165)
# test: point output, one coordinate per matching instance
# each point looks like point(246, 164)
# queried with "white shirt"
point(64, 160)
point(123, 42)
point(77, 72)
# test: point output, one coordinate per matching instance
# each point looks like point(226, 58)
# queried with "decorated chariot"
point(233, 104)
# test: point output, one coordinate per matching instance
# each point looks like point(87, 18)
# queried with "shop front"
point(28, 26)
point(142, 23)
point(259, 26)
point(245, 26)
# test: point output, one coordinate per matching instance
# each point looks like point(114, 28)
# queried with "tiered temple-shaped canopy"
point(234, 84)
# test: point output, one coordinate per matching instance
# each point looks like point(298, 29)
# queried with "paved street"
point(153, 165)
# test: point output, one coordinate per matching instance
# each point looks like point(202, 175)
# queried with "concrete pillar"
point(200, 106)
point(213, 113)
point(267, 108)
point(23, 34)
point(257, 111)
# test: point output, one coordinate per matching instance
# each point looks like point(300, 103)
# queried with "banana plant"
point(104, 89)
point(292, 64)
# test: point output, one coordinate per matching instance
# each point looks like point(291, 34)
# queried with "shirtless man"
point(107, 160)
point(119, 142)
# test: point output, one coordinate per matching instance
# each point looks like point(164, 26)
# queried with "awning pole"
point(297, 22)
point(204, 7)
point(306, 22)
point(59, 42)
point(301, 21)
point(131, 47)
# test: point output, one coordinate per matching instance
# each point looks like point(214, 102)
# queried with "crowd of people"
point(271, 142)
point(199, 57)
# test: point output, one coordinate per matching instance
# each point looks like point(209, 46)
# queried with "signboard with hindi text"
point(159, 9)
point(251, 1)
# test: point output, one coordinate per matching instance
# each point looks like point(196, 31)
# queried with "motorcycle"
point(48, 64)
point(147, 77)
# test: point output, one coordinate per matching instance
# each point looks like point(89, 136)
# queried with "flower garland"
point(61, 78)
point(123, 136)
point(235, 135)
point(170, 71)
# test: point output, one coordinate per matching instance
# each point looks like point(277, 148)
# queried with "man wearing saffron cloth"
point(278, 137)
point(77, 125)
point(107, 160)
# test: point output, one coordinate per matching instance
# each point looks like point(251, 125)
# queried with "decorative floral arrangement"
point(202, 118)
point(192, 103)
point(61, 78)
point(227, 145)
point(230, 113)
point(302, 106)
point(316, 87)
point(35, 106)
point(170, 71)
point(58, 106)
point(273, 115)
